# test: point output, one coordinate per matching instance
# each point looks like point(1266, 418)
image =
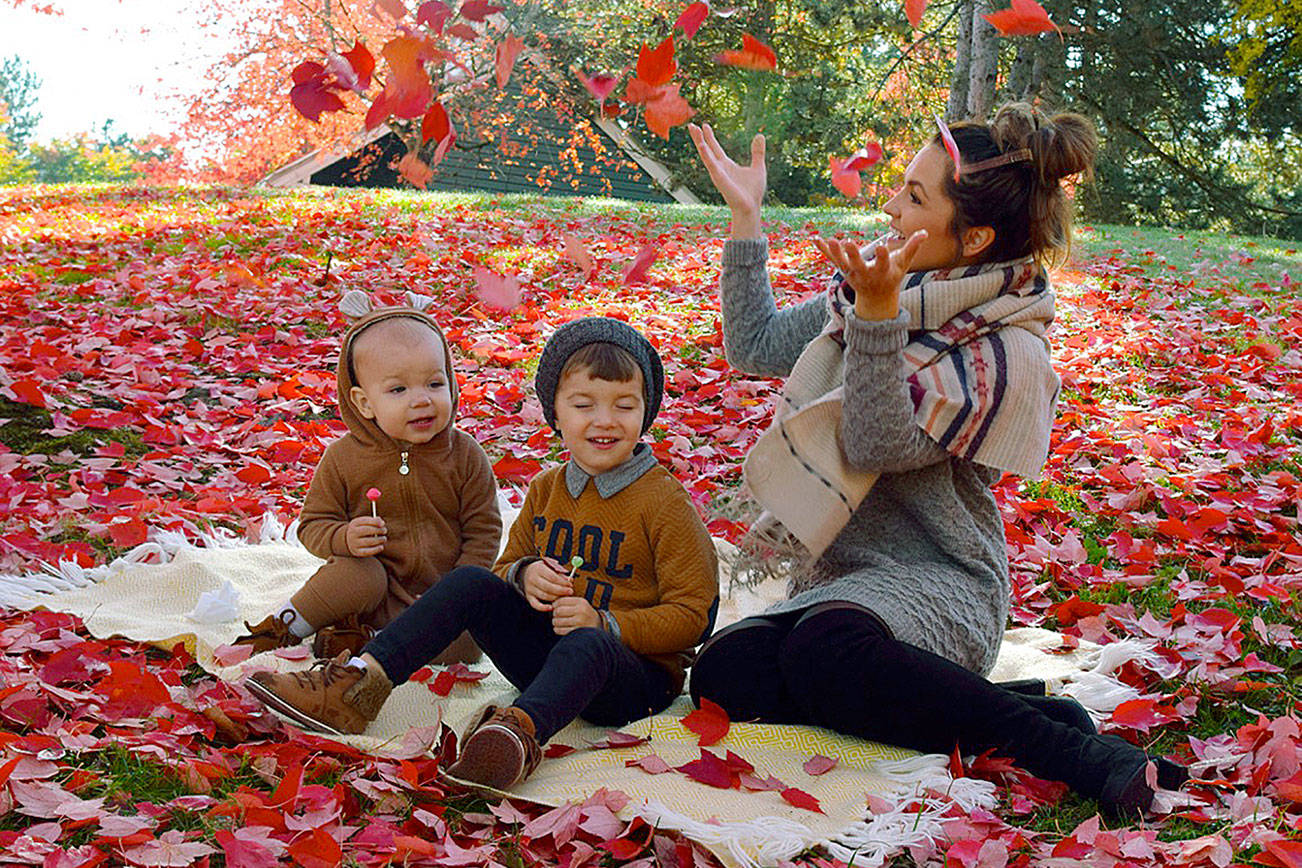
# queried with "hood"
point(366, 430)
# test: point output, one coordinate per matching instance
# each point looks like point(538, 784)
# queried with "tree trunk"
point(985, 62)
point(1018, 86)
point(956, 107)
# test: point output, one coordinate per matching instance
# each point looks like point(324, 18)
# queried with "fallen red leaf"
point(709, 721)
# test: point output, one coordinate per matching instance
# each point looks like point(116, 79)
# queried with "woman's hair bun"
point(1061, 146)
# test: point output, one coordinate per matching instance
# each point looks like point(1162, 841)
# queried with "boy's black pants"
point(587, 672)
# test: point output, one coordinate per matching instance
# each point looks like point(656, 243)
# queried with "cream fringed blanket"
point(152, 602)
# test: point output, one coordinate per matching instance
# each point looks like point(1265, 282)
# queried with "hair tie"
point(1021, 155)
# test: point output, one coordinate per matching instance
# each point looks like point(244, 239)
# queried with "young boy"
point(606, 638)
point(437, 507)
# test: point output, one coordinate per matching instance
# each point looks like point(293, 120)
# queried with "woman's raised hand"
point(742, 187)
point(876, 282)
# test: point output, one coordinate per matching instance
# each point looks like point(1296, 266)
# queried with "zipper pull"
point(404, 469)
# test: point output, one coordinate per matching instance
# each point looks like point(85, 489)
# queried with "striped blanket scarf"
point(978, 372)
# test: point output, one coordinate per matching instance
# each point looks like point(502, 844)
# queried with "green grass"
point(25, 425)
point(1174, 252)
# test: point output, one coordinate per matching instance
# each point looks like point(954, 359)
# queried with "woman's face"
point(922, 204)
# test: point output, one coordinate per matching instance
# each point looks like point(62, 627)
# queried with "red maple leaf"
point(478, 10)
point(600, 85)
point(666, 111)
point(657, 66)
point(1022, 18)
point(436, 124)
point(913, 10)
point(652, 764)
point(711, 770)
point(752, 55)
point(635, 271)
point(507, 51)
point(691, 18)
point(709, 721)
point(433, 14)
point(801, 799)
point(497, 290)
point(819, 764)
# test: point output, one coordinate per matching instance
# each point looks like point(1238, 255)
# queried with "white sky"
point(97, 62)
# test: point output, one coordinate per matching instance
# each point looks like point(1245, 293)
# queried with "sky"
point(96, 62)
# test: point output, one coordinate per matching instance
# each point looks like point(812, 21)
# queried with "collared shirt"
point(616, 479)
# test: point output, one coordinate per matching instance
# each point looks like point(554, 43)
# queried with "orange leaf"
point(414, 170)
point(1022, 18)
point(657, 67)
point(28, 392)
point(507, 51)
point(408, 86)
point(846, 180)
point(753, 55)
point(396, 8)
point(667, 111)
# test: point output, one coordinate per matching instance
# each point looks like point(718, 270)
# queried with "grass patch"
point(1160, 251)
point(24, 432)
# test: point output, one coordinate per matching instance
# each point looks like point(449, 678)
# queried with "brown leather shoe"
point(349, 635)
point(330, 697)
point(498, 750)
point(270, 633)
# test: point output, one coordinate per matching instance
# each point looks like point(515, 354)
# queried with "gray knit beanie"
point(573, 336)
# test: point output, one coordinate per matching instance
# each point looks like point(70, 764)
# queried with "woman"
point(919, 378)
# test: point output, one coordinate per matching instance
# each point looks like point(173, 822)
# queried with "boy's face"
point(600, 420)
point(402, 380)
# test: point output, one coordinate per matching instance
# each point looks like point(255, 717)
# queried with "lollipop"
point(575, 563)
point(373, 494)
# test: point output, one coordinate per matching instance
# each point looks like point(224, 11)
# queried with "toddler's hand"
point(366, 536)
point(545, 581)
point(876, 283)
point(571, 613)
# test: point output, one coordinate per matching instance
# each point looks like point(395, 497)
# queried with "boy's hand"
point(545, 581)
point(571, 613)
point(876, 283)
point(366, 536)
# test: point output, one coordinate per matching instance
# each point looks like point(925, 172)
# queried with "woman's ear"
point(976, 240)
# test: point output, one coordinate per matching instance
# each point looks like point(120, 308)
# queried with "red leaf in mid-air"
point(844, 179)
point(497, 290)
point(463, 31)
point(867, 157)
point(801, 799)
point(657, 66)
point(433, 14)
point(637, 269)
point(692, 18)
point(507, 51)
point(1022, 18)
point(600, 85)
point(395, 8)
point(362, 63)
point(709, 721)
point(478, 10)
point(311, 95)
point(913, 10)
point(408, 89)
point(667, 111)
point(578, 254)
point(436, 125)
point(414, 170)
point(752, 55)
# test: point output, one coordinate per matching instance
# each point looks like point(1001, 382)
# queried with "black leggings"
point(836, 666)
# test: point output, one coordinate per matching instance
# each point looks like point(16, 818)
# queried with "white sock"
point(298, 625)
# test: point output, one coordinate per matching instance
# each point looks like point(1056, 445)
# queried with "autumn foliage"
point(166, 361)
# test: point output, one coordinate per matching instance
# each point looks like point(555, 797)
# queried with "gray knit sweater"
point(925, 551)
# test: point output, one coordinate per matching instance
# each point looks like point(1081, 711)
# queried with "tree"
point(18, 93)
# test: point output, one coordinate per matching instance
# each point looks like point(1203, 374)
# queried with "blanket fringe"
point(751, 843)
point(26, 591)
point(1097, 688)
point(924, 792)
